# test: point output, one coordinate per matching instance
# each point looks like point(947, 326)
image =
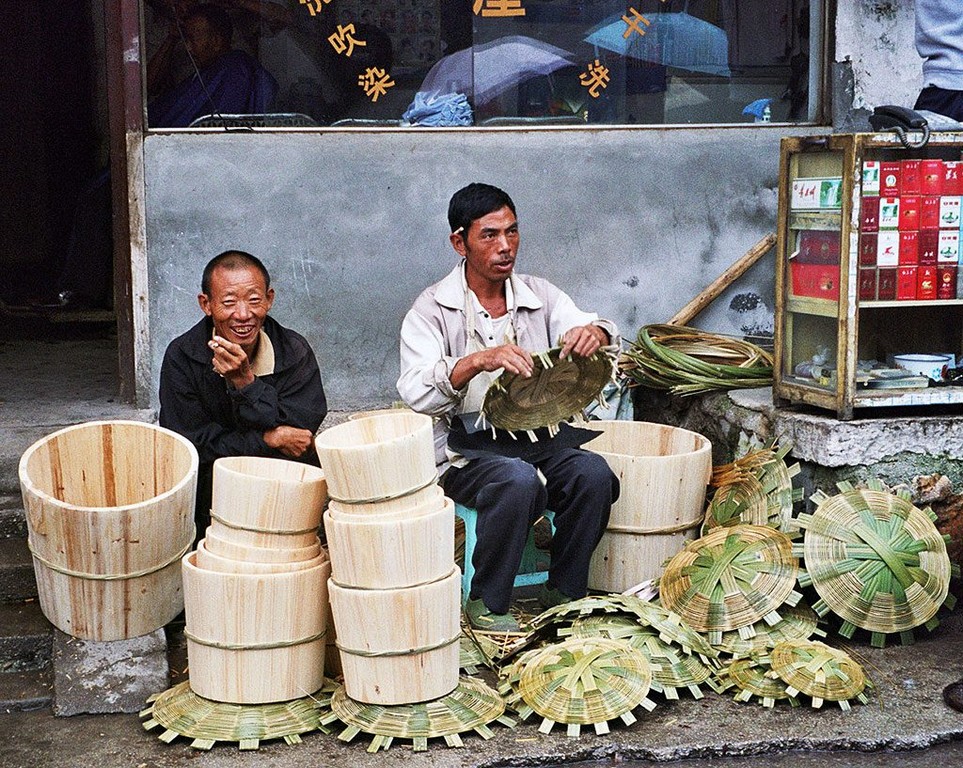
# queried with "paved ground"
point(905, 713)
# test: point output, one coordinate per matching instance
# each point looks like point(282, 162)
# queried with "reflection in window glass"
point(482, 62)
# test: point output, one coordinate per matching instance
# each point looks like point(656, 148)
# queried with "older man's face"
point(238, 302)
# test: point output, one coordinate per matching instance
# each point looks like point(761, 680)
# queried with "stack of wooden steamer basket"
point(394, 588)
point(255, 589)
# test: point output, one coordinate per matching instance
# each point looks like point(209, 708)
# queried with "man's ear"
point(269, 296)
point(205, 304)
point(457, 240)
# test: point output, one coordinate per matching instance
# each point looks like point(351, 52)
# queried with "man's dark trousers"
point(509, 497)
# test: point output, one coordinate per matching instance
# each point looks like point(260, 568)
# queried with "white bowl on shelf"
point(932, 366)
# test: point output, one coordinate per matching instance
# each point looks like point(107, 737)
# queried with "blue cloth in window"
point(431, 109)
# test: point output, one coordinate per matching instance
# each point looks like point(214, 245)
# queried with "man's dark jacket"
point(221, 421)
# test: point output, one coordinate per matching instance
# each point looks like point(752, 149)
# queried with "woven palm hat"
point(875, 560)
point(181, 712)
point(556, 391)
point(583, 681)
point(472, 706)
point(730, 579)
point(819, 671)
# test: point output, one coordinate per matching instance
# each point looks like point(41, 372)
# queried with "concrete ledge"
point(118, 676)
point(26, 637)
point(17, 581)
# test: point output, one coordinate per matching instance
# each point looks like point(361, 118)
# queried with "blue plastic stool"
point(532, 570)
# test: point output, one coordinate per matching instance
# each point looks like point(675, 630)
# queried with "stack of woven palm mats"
point(598, 658)
point(876, 561)
point(756, 488)
point(798, 668)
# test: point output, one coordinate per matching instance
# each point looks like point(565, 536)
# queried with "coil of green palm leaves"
point(688, 361)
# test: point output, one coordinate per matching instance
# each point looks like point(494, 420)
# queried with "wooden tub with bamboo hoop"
point(377, 458)
point(399, 646)
point(663, 472)
point(209, 561)
point(262, 502)
point(235, 551)
point(371, 552)
point(255, 638)
point(110, 513)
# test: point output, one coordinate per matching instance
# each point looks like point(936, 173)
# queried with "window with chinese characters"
point(482, 62)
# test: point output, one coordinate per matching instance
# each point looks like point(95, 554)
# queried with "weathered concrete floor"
point(905, 712)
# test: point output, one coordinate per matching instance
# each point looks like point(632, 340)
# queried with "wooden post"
point(685, 315)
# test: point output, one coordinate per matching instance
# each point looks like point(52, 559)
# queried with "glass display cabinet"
point(868, 252)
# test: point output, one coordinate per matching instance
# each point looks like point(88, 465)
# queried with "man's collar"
point(451, 292)
point(262, 363)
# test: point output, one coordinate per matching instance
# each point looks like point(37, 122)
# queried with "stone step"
point(27, 690)
point(26, 637)
point(13, 521)
point(17, 582)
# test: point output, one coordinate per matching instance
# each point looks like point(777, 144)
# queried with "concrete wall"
point(632, 223)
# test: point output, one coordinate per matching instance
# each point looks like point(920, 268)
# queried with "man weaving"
point(239, 383)
point(460, 333)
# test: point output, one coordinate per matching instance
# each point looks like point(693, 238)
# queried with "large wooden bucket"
point(379, 457)
point(663, 473)
point(255, 638)
point(209, 561)
point(369, 552)
point(261, 502)
point(399, 646)
point(110, 513)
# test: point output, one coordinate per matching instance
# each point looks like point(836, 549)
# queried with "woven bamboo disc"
point(798, 623)
point(556, 391)
point(181, 712)
point(673, 670)
point(876, 561)
point(752, 677)
point(741, 501)
point(669, 625)
point(584, 681)
point(821, 672)
point(475, 652)
point(730, 579)
point(472, 706)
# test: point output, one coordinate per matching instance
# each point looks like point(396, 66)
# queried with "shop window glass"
point(483, 62)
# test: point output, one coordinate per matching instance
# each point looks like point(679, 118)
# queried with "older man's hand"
point(230, 362)
point(583, 340)
point(291, 441)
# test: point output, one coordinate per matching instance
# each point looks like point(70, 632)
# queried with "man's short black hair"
point(474, 201)
point(232, 260)
point(217, 19)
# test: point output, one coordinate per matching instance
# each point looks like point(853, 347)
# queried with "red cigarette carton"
point(928, 246)
point(818, 281)
point(869, 214)
point(889, 178)
point(929, 212)
point(909, 247)
point(926, 283)
point(886, 284)
point(867, 284)
point(909, 212)
point(931, 177)
point(906, 283)
point(818, 247)
point(867, 249)
point(910, 176)
point(952, 177)
point(946, 282)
